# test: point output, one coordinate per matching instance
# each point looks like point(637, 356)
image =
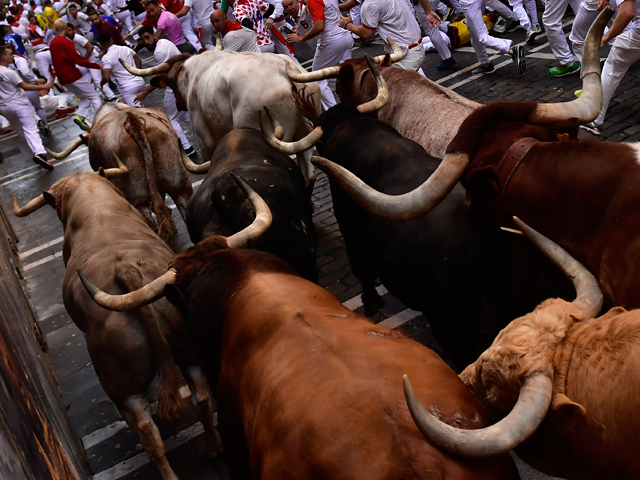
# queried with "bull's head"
point(181, 269)
point(515, 375)
point(169, 74)
point(427, 196)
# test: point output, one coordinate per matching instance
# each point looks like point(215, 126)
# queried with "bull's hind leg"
point(304, 162)
point(202, 400)
point(135, 411)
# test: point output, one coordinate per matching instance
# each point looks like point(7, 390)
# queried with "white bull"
point(224, 90)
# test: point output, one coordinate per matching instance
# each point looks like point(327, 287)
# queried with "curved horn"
point(119, 171)
point(588, 106)
point(289, 148)
point(396, 56)
point(145, 72)
point(219, 46)
point(589, 297)
point(261, 223)
point(527, 414)
point(403, 207)
point(383, 92)
point(138, 298)
point(30, 207)
point(194, 167)
point(329, 72)
point(67, 151)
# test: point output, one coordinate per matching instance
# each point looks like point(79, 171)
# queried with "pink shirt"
point(172, 27)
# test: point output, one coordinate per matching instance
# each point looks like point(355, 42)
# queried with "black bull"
point(467, 276)
point(219, 207)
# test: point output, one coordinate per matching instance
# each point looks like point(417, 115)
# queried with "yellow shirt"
point(49, 11)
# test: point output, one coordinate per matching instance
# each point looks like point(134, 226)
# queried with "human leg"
point(172, 112)
point(85, 91)
point(518, 9)
point(207, 35)
point(502, 9)
point(433, 33)
point(586, 13)
point(34, 98)
point(331, 54)
point(188, 31)
point(412, 60)
point(23, 118)
point(473, 12)
point(43, 62)
point(554, 10)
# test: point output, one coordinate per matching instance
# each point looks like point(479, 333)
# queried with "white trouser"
point(96, 76)
point(502, 9)
point(188, 29)
point(480, 38)
point(267, 48)
point(456, 6)
point(124, 17)
point(130, 90)
point(23, 118)
point(4, 123)
point(43, 62)
point(625, 51)
point(329, 53)
point(527, 14)
point(207, 35)
point(433, 33)
point(34, 98)
point(174, 115)
point(86, 92)
point(554, 10)
point(412, 60)
point(585, 17)
point(280, 47)
point(140, 17)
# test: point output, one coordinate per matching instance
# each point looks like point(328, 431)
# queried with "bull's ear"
point(49, 198)
point(159, 81)
point(174, 295)
point(482, 179)
point(566, 410)
point(386, 62)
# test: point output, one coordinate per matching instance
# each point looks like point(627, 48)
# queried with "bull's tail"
point(166, 226)
point(304, 103)
point(168, 393)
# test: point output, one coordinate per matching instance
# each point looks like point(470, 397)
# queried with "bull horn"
point(138, 298)
point(527, 414)
point(403, 207)
point(383, 92)
point(119, 171)
point(194, 167)
point(396, 56)
point(322, 74)
point(261, 223)
point(145, 72)
point(289, 148)
point(589, 297)
point(67, 151)
point(588, 106)
point(30, 207)
point(219, 46)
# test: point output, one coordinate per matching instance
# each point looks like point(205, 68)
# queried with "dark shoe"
point(44, 131)
point(512, 26)
point(191, 152)
point(593, 128)
point(446, 63)
point(531, 36)
point(42, 161)
point(447, 14)
point(458, 17)
point(518, 59)
point(483, 69)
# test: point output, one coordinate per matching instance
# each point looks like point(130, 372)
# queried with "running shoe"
point(446, 63)
point(42, 161)
point(593, 128)
point(564, 70)
point(518, 59)
point(82, 123)
point(483, 69)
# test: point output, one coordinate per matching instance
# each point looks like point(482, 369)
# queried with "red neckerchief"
point(231, 25)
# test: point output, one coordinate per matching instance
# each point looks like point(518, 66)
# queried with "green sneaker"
point(81, 122)
point(562, 70)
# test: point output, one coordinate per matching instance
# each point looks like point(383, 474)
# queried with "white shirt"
point(20, 30)
point(81, 22)
point(9, 91)
point(331, 17)
point(21, 65)
point(165, 49)
point(79, 41)
point(393, 19)
point(118, 73)
point(243, 40)
point(201, 9)
point(38, 10)
point(57, 6)
point(304, 22)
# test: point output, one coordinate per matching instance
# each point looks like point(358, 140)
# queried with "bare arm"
point(363, 32)
point(183, 12)
point(106, 76)
point(348, 5)
point(432, 17)
point(625, 15)
point(28, 87)
point(317, 29)
point(89, 47)
point(137, 60)
point(158, 34)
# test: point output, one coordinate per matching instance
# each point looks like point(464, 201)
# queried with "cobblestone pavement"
point(112, 450)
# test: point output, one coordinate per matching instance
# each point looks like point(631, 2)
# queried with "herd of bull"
point(304, 387)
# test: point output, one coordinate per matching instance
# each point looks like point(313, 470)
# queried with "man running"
point(128, 84)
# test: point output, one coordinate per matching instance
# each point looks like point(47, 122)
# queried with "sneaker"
point(458, 17)
point(593, 128)
point(512, 26)
point(446, 63)
point(42, 161)
point(562, 70)
point(483, 69)
point(500, 25)
point(113, 99)
point(518, 59)
point(577, 93)
point(532, 33)
point(81, 122)
point(191, 152)
point(44, 131)
point(447, 14)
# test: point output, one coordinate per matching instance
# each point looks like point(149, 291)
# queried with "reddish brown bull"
point(144, 140)
point(586, 372)
point(109, 239)
point(305, 387)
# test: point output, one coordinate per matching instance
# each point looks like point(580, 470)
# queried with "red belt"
point(415, 44)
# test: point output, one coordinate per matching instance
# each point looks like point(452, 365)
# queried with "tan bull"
point(105, 235)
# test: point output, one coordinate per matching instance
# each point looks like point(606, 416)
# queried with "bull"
point(584, 371)
point(109, 239)
point(418, 108)
point(222, 90)
point(466, 276)
point(144, 140)
point(219, 206)
point(305, 387)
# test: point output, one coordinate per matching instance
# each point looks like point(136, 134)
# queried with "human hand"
point(344, 21)
point(433, 19)
point(268, 23)
point(294, 38)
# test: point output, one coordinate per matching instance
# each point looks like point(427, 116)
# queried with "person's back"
point(63, 61)
point(119, 74)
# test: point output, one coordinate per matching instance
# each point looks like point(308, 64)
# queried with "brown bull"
point(418, 108)
point(110, 240)
point(144, 140)
point(305, 387)
point(587, 372)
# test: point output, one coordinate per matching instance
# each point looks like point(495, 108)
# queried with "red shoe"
point(67, 110)
point(59, 114)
